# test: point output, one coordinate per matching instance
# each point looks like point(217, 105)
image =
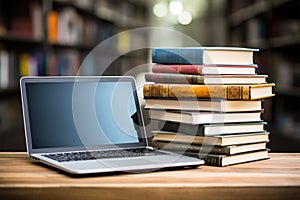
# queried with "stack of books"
point(208, 103)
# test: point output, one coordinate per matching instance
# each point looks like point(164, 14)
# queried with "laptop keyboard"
point(92, 155)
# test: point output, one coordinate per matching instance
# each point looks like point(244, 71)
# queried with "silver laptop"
point(88, 125)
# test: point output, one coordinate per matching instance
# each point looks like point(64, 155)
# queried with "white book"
point(204, 105)
point(205, 117)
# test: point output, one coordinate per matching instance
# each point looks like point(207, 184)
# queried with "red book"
point(204, 69)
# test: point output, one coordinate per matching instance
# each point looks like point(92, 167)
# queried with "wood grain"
point(276, 178)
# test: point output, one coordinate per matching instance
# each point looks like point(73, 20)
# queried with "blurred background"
point(53, 37)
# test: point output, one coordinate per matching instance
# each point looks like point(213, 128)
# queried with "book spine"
point(176, 146)
point(196, 130)
point(174, 78)
point(52, 26)
point(181, 69)
point(212, 160)
point(187, 147)
point(178, 56)
point(229, 92)
point(4, 69)
point(24, 64)
point(208, 159)
point(213, 149)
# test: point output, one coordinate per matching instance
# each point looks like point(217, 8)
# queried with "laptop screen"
point(84, 112)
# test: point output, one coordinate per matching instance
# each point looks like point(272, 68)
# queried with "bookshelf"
point(273, 26)
point(54, 37)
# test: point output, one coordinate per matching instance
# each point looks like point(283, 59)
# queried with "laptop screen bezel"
point(29, 80)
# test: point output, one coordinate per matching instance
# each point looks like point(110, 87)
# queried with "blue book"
point(204, 55)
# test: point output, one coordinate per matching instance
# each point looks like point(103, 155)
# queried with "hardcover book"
point(217, 105)
point(225, 160)
point(222, 140)
point(203, 55)
point(211, 129)
point(192, 117)
point(230, 92)
point(204, 69)
point(227, 150)
point(205, 79)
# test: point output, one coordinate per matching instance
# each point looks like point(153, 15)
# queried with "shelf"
point(285, 41)
point(106, 14)
point(53, 38)
point(259, 8)
point(273, 26)
point(20, 40)
point(84, 11)
point(274, 43)
point(288, 91)
point(286, 8)
point(248, 12)
point(277, 3)
point(258, 43)
point(11, 92)
point(117, 18)
point(36, 42)
point(72, 46)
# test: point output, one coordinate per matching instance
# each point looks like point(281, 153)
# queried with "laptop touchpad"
point(125, 162)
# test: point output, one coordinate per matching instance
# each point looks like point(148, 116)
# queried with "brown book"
point(230, 92)
point(205, 79)
point(222, 140)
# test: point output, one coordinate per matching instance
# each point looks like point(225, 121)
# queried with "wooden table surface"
point(275, 178)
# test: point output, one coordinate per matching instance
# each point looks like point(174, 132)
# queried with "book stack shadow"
point(207, 102)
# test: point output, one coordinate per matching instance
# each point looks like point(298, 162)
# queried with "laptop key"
point(92, 155)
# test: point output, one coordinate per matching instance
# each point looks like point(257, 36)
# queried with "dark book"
point(204, 69)
point(225, 160)
point(211, 129)
point(203, 55)
point(194, 148)
point(222, 140)
point(26, 20)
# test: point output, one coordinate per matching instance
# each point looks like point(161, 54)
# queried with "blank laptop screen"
point(68, 114)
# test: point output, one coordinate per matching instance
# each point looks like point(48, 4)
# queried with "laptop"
point(85, 125)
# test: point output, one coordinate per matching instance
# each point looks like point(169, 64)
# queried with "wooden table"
point(276, 178)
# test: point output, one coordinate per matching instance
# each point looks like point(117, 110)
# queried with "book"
point(36, 17)
point(226, 150)
point(230, 92)
point(52, 26)
point(69, 26)
point(205, 79)
point(204, 69)
point(221, 140)
point(4, 69)
point(225, 160)
point(211, 129)
point(193, 117)
point(217, 105)
point(203, 55)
